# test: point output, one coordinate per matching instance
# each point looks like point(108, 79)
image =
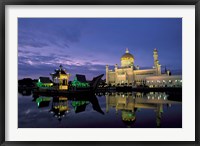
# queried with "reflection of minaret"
point(110, 101)
point(159, 112)
point(107, 104)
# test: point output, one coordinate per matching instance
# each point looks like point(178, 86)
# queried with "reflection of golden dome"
point(128, 116)
point(127, 56)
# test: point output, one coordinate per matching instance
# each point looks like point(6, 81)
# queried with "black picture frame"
point(4, 3)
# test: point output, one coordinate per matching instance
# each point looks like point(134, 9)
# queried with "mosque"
point(130, 75)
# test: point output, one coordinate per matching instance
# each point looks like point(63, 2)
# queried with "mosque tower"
point(157, 66)
point(107, 74)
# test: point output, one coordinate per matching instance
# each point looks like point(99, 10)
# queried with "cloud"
point(34, 69)
point(30, 39)
point(23, 51)
point(83, 47)
point(44, 34)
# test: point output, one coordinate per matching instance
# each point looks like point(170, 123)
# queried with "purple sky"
point(86, 45)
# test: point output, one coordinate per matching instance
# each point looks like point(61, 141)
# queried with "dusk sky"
point(86, 45)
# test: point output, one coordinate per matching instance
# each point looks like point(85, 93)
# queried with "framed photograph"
point(99, 72)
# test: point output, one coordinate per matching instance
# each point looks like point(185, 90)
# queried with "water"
point(108, 110)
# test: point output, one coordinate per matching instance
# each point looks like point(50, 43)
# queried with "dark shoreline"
point(109, 89)
point(145, 89)
point(36, 91)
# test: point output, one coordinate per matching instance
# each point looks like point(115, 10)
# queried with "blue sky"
point(86, 45)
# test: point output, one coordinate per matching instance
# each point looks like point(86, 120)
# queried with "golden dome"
point(127, 55)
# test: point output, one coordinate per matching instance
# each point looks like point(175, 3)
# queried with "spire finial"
point(127, 51)
point(61, 66)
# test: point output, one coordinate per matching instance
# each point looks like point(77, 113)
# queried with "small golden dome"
point(127, 55)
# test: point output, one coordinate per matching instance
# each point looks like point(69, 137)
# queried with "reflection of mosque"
point(127, 105)
point(59, 107)
point(60, 104)
point(130, 103)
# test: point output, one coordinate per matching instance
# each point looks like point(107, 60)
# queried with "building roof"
point(125, 67)
point(127, 54)
point(164, 77)
point(59, 71)
point(45, 80)
point(81, 78)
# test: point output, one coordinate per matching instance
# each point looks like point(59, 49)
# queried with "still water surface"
point(109, 110)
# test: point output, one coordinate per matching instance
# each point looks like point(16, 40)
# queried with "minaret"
point(116, 66)
point(155, 56)
point(107, 74)
point(156, 62)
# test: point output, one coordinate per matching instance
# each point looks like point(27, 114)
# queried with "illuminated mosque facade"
point(131, 75)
